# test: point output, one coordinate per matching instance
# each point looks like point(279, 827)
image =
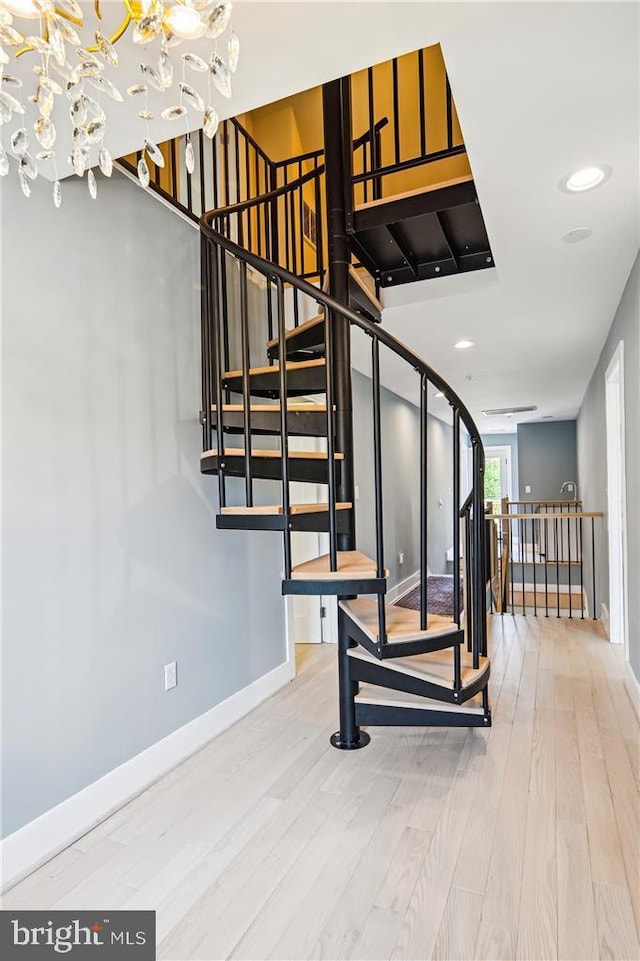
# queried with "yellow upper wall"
point(294, 125)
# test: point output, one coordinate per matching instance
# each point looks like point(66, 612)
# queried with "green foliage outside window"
point(492, 479)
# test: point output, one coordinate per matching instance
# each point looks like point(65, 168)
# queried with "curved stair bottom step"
point(377, 706)
point(423, 675)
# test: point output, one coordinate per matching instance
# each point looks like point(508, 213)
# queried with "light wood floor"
point(518, 842)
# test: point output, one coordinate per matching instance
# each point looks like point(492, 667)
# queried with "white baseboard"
point(35, 843)
point(604, 619)
point(403, 588)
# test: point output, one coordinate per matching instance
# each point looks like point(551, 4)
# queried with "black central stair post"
point(336, 104)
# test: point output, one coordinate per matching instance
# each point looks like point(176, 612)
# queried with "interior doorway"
point(616, 499)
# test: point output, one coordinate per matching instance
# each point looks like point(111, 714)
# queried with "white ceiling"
point(285, 47)
point(541, 89)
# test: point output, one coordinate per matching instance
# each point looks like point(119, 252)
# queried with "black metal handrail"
point(391, 156)
point(213, 224)
point(236, 175)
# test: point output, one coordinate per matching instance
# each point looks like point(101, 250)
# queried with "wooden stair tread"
point(402, 624)
point(307, 325)
point(415, 193)
point(298, 454)
point(276, 509)
point(436, 667)
point(351, 564)
point(273, 408)
point(275, 368)
point(372, 694)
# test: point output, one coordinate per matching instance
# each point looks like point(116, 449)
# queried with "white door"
point(616, 499)
point(305, 623)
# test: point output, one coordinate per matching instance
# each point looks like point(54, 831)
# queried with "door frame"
point(616, 500)
point(502, 450)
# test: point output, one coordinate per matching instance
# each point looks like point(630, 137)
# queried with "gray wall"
point(510, 441)
point(401, 477)
point(592, 462)
point(547, 457)
point(112, 563)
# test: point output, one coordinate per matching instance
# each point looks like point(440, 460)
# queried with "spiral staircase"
point(276, 368)
point(291, 268)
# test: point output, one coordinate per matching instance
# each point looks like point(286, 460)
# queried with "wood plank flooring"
point(521, 842)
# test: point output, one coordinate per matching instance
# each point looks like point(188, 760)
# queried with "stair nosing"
point(267, 510)
point(389, 698)
point(367, 572)
point(307, 325)
point(395, 664)
point(272, 408)
point(275, 454)
point(291, 365)
point(418, 635)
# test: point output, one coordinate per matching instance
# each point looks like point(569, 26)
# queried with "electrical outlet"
point(401, 557)
point(527, 489)
point(170, 675)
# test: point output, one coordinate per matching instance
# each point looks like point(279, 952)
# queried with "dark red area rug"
point(439, 596)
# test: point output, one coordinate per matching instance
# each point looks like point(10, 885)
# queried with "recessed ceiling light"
point(576, 234)
point(464, 344)
point(585, 179)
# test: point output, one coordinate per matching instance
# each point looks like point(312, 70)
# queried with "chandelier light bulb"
point(184, 22)
point(22, 8)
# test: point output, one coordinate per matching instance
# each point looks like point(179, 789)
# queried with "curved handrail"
point(239, 208)
point(268, 268)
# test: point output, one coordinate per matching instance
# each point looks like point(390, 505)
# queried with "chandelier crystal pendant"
point(75, 76)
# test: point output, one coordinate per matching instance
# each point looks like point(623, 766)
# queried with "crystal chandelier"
point(54, 34)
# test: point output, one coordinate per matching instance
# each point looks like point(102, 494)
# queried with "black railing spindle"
point(331, 440)
point(422, 120)
point(449, 116)
point(216, 319)
point(424, 452)
point(377, 480)
point(593, 566)
point(456, 516)
point(246, 387)
point(284, 426)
